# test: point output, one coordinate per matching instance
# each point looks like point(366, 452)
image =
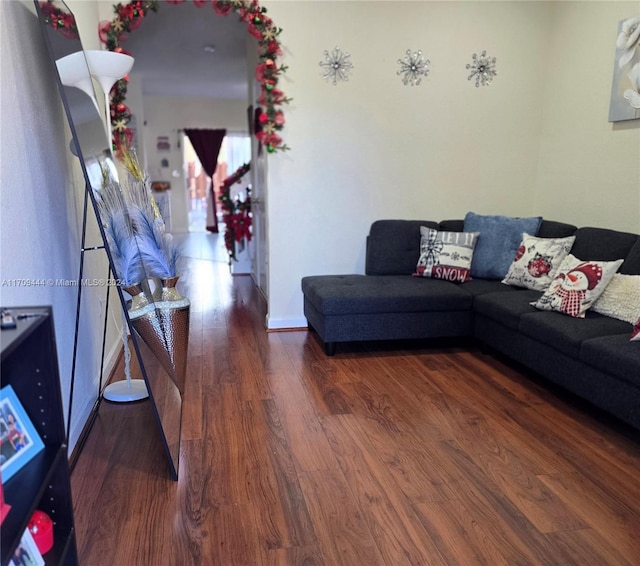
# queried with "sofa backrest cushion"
point(452, 225)
point(602, 244)
point(548, 228)
point(631, 265)
point(393, 246)
point(553, 229)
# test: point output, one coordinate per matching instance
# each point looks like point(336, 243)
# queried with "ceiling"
point(169, 52)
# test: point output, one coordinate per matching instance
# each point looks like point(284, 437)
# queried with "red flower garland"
point(128, 17)
point(236, 213)
point(62, 21)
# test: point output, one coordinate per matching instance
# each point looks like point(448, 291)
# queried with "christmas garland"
point(236, 213)
point(129, 17)
point(64, 22)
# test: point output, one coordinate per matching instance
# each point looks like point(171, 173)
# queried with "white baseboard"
point(286, 323)
point(82, 412)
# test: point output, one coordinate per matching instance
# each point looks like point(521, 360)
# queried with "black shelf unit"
point(29, 363)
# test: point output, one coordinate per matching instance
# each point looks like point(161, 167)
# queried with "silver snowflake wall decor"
point(413, 67)
point(483, 68)
point(337, 66)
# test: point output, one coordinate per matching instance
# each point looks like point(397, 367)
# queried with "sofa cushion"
point(506, 308)
point(452, 225)
point(631, 264)
point(393, 246)
point(603, 244)
point(537, 261)
point(478, 287)
point(614, 355)
point(553, 229)
point(566, 333)
point(365, 294)
point(577, 286)
point(500, 237)
point(446, 255)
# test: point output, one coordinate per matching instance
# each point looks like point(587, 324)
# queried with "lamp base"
point(126, 392)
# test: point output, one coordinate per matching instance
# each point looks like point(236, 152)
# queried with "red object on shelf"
point(4, 508)
point(41, 527)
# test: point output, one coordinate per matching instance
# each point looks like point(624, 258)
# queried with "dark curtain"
point(206, 144)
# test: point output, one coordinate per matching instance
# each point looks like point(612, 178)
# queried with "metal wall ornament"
point(483, 68)
point(413, 67)
point(337, 66)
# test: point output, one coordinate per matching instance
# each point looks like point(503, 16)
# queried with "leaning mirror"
point(141, 255)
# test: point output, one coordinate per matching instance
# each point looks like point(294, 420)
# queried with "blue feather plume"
point(123, 249)
point(158, 255)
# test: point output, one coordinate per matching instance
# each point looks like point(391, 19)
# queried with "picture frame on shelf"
point(27, 553)
point(19, 440)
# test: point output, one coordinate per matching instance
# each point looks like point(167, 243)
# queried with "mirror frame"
point(64, 24)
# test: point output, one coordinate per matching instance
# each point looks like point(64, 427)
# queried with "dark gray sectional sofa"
point(591, 357)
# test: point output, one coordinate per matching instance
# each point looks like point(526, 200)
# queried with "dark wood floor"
point(377, 456)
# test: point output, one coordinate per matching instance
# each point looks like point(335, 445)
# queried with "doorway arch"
point(270, 118)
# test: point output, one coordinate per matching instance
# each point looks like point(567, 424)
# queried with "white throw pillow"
point(621, 298)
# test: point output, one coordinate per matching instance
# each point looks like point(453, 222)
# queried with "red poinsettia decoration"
point(64, 22)
point(236, 213)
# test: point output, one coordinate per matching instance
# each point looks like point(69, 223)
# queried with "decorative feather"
point(124, 250)
point(134, 227)
point(159, 258)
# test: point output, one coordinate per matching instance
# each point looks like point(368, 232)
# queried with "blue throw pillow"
point(498, 242)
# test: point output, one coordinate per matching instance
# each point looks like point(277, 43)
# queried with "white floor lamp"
point(106, 67)
point(126, 390)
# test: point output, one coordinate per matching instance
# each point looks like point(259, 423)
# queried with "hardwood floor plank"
point(506, 525)
point(192, 413)
point(458, 537)
point(397, 532)
point(587, 546)
point(339, 524)
point(617, 521)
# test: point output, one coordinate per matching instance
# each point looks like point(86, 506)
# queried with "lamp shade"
point(73, 71)
point(107, 67)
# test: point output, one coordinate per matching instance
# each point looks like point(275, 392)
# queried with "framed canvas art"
point(625, 89)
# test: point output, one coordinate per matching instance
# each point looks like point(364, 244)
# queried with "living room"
point(537, 141)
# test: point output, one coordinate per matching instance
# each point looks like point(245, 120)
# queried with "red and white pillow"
point(537, 261)
point(446, 255)
point(577, 285)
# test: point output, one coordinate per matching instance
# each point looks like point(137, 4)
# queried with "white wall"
point(373, 148)
point(165, 117)
point(41, 195)
point(589, 169)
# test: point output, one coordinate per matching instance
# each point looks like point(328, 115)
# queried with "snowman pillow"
point(577, 285)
